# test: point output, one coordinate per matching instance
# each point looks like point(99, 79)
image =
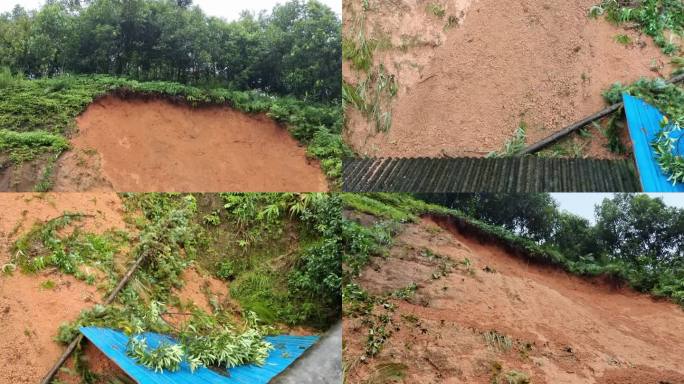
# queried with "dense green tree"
point(294, 50)
point(641, 230)
point(530, 215)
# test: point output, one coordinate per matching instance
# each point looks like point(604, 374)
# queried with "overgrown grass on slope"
point(51, 105)
point(403, 208)
point(25, 146)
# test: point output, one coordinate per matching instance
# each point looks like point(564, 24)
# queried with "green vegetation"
point(281, 253)
point(669, 99)
point(623, 39)
point(223, 346)
point(292, 50)
point(376, 88)
point(286, 63)
point(61, 244)
point(636, 239)
point(26, 146)
point(37, 115)
point(515, 145)
point(663, 20)
point(435, 10)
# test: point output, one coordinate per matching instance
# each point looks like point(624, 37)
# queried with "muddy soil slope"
point(30, 310)
point(541, 62)
point(158, 146)
point(477, 314)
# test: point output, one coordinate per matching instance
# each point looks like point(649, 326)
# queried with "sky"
point(227, 9)
point(582, 204)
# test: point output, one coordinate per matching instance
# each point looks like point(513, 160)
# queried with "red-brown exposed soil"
point(158, 146)
point(464, 91)
point(29, 313)
point(563, 329)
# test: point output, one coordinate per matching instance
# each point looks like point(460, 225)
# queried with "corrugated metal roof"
point(644, 121)
point(502, 175)
point(113, 344)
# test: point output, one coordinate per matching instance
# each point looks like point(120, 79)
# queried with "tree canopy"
point(635, 229)
point(293, 50)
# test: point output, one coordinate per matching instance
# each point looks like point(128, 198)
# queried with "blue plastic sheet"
point(644, 121)
point(113, 344)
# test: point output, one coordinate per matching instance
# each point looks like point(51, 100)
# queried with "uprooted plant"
point(204, 343)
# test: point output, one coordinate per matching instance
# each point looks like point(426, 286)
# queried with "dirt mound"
point(542, 62)
point(155, 145)
point(30, 310)
point(489, 314)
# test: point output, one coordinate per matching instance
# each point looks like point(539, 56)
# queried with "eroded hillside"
point(445, 307)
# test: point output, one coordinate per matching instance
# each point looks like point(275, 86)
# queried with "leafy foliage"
point(660, 19)
point(669, 99)
point(164, 357)
point(25, 146)
point(293, 50)
point(515, 145)
point(205, 345)
point(47, 245)
point(373, 94)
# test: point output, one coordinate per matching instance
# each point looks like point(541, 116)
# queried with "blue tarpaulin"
point(644, 121)
point(113, 344)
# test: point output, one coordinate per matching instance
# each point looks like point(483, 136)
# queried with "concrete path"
point(321, 364)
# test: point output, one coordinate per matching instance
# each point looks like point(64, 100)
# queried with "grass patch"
point(498, 341)
point(623, 39)
point(435, 9)
point(515, 145)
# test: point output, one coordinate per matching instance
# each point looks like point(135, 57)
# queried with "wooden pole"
point(575, 126)
point(77, 340)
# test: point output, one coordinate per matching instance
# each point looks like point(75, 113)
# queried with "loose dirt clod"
point(544, 63)
point(469, 325)
point(155, 145)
